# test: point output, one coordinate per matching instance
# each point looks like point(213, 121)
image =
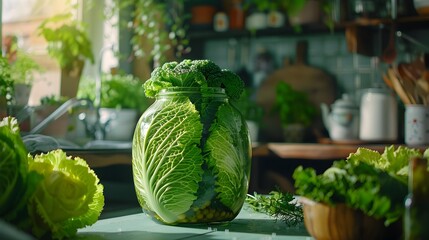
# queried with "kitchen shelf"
point(412, 22)
point(304, 30)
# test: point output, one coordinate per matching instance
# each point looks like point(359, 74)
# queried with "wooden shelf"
point(409, 22)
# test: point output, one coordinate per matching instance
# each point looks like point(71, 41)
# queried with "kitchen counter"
point(312, 151)
point(248, 225)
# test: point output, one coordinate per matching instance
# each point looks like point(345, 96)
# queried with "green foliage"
point(17, 183)
point(292, 8)
point(67, 39)
point(121, 91)
point(23, 68)
point(293, 106)
point(225, 156)
point(162, 23)
point(6, 81)
point(167, 162)
point(368, 181)
point(191, 149)
point(53, 100)
point(69, 197)
point(193, 73)
point(248, 107)
point(50, 195)
point(280, 205)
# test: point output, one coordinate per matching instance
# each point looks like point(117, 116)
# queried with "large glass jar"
point(191, 157)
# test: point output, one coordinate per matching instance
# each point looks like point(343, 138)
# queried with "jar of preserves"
point(191, 157)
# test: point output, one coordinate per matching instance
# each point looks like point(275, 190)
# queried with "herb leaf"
point(280, 205)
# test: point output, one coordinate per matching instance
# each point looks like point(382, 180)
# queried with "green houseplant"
point(293, 9)
point(122, 101)
point(295, 110)
point(69, 44)
point(251, 111)
point(6, 85)
point(23, 70)
point(158, 28)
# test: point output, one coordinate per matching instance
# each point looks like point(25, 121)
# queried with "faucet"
point(61, 110)
point(98, 131)
point(93, 127)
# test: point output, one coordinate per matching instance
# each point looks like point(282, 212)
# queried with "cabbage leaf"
point(226, 156)
point(69, 197)
point(17, 183)
point(167, 159)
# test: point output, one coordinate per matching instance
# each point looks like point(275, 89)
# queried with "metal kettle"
point(342, 122)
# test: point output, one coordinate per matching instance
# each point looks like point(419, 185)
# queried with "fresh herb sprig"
point(280, 205)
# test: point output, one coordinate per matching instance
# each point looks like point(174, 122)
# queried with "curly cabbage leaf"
point(17, 183)
point(167, 160)
point(69, 197)
point(372, 182)
point(392, 160)
point(227, 157)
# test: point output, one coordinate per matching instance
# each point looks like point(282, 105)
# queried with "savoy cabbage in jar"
point(191, 147)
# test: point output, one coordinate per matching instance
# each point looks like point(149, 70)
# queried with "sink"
point(97, 153)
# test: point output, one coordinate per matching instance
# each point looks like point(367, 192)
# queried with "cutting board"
point(319, 85)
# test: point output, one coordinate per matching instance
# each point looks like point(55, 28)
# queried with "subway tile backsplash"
point(326, 51)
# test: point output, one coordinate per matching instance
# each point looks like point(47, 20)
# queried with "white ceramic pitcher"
point(378, 115)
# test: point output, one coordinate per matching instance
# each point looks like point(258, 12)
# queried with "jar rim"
point(205, 90)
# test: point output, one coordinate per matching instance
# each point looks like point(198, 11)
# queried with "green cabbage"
point(17, 183)
point(69, 197)
point(167, 160)
point(191, 148)
point(50, 195)
point(226, 156)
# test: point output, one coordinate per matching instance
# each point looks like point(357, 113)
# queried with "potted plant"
point(69, 44)
point(48, 104)
point(122, 102)
point(295, 110)
point(361, 197)
point(251, 111)
point(299, 11)
point(158, 28)
point(22, 73)
point(6, 86)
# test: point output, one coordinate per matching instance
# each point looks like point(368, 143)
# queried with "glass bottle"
point(191, 157)
point(416, 217)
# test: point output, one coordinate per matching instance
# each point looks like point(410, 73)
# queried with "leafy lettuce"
point(17, 182)
point(69, 197)
point(50, 195)
point(369, 181)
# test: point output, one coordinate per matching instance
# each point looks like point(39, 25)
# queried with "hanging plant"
point(161, 23)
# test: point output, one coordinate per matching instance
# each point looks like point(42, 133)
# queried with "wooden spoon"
point(406, 83)
point(397, 86)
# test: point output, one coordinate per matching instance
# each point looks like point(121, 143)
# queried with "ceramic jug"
point(378, 115)
point(342, 122)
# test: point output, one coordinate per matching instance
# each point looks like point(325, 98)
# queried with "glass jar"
point(416, 216)
point(191, 157)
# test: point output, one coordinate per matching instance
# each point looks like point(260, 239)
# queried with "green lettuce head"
point(17, 183)
point(68, 198)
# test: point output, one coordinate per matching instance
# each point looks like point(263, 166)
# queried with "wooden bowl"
point(339, 222)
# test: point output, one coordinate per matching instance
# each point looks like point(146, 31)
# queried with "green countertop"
point(248, 225)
